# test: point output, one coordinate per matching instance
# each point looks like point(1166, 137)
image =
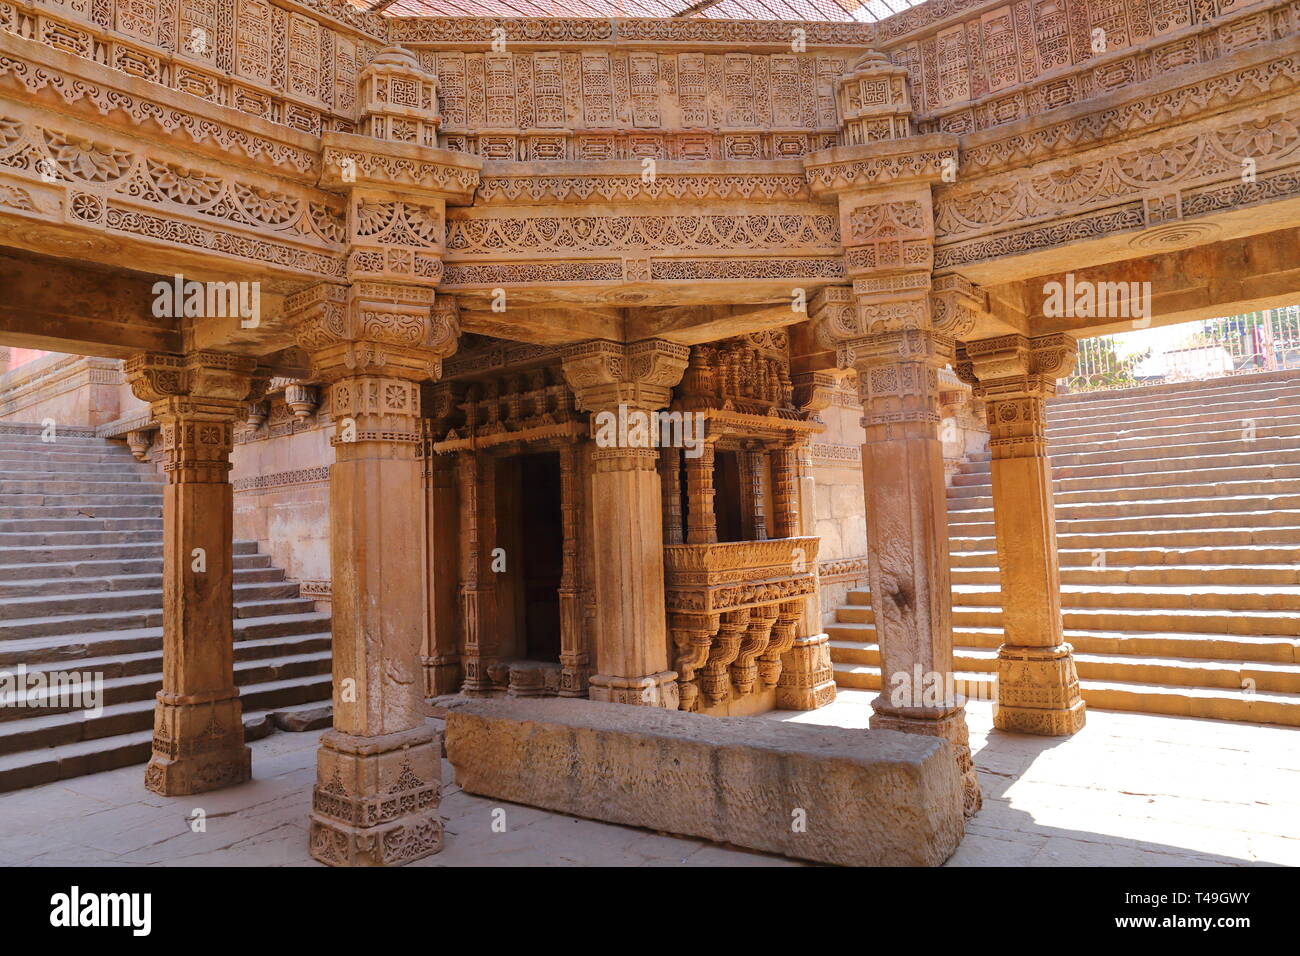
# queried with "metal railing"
point(1212, 348)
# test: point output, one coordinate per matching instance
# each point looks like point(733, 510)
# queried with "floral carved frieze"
point(1170, 163)
point(710, 578)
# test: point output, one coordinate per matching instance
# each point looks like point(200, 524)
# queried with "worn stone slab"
point(868, 798)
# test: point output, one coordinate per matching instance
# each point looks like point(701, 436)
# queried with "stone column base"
point(375, 802)
point(1038, 691)
point(807, 678)
point(951, 727)
point(655, 690)
point(198, 745)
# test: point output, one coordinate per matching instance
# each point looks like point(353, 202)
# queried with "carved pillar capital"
point(1014, 376)
point(196, 399)
point(605, 375)
point(375, 328)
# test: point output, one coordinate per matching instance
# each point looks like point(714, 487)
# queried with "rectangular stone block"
point(828, 794)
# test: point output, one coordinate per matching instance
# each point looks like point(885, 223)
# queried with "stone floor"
point(1129, 790)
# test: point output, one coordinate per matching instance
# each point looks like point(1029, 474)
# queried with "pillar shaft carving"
point(1038, 687)
point(631, 640)
point(378, 771)
point(575, 664)
point(753, 465)
point(198, 741)
point(887, 334)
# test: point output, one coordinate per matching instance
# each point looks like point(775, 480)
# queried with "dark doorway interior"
point(726, 501)
point(543, 554)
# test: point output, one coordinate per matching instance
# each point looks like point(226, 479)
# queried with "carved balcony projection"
point(733, 609)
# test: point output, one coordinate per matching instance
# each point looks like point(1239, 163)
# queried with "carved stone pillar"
point(476, 475)
point(378, 771)
point(631, 640)
point(701, 519)
point(440, 652)
point(198, 739)
point(888, 328)
point(753, 463)
point(1038, 688)
point(574, 662)
point(785, 488)
point(670, 477)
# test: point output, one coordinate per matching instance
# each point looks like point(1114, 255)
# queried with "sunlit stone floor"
point(1129, 790)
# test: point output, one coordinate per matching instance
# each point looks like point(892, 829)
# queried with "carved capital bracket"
point(605, 375)
point(1015, 376)
point(196, 399)
point(374, 328)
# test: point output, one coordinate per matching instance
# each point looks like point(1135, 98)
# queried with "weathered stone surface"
point(879, 798)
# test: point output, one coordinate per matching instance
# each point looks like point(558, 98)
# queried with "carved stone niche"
point(874, 101)
point(733, 609)
point(399, 100)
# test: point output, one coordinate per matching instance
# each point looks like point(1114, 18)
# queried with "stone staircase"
point(81, 590)
point(1178, 524)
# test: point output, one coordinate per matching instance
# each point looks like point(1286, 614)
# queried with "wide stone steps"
point(1178, 528)
point(81, 565)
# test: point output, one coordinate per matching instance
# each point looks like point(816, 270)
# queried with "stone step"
point(1154, 524)
point(1191, 575)
point(981, 484)
point(1270, 487)
point(1183, 701)
point(71, 648)
point(1158, 508)
point(54, 571)
point(81, 501)
point(1128, 667)
point(53, 730)
point(1170, 420)
point(73, 586)
point(1201, 620)
point(82, 511)
point(1097, 541)
point(1277, 429)
point(1224, 394)
point(41, 539)
point(79, 524)
point(47, 606)
point(1246, 648)
point(1192, 459)
point(1202, 596)
point(65, 470)
point(144, 685)
point(29, 768)
point(119, 620)
point(1183, 447)
point(120, 484)
point(261, 703)
point(62, 553)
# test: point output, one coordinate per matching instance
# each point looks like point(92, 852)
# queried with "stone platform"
point(805, 791)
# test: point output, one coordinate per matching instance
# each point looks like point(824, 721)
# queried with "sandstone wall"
point(70, 389)
point(281, 477)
